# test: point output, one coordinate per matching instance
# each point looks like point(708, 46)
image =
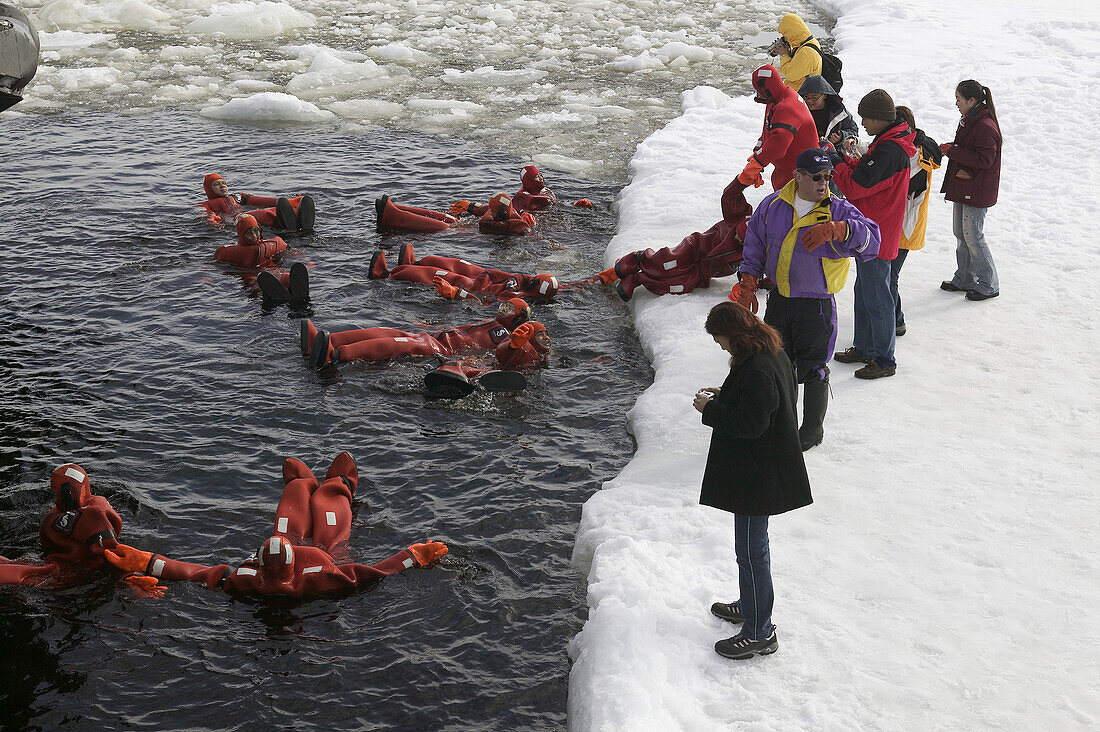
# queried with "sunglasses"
point(819, 177)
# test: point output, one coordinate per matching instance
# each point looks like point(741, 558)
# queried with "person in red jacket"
point(788, 130)
point(383, 344)
point(971, 183)
point(878, 185)
point(528, 345)
point(75, 532)
point(291, 214)
point(697, 259)
point(284, 563)
point(457, 278)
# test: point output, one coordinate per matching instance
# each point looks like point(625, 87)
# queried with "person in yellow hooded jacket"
point(797, 60)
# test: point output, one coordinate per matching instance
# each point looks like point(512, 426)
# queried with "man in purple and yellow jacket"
point(803, 238)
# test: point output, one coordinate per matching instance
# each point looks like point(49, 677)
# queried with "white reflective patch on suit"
point(312, 570)
point(281, 524)
point(408, 563)
point(765, 73)
point(75, 475)
point(246, 571)
point(669, 265)
point(675, 288)
point(330, 518)
point(157, 568)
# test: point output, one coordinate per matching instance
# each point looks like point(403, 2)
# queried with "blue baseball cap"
point(813, 160)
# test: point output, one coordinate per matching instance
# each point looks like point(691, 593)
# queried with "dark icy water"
point(125, 348)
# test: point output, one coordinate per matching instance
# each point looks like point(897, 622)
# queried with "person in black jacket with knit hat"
point(755, 467)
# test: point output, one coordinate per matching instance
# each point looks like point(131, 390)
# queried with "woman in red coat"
point(285, 564)
point(971, 183)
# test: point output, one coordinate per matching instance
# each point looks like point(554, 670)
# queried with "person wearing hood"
point(74, 533)
point(971, 183)
point(285, 564)
point(834, 122)
point(458, 279)
point(528, 345)
point(877, 184)
point(291, 214)
point(797, 60)
point(383, 344)
point(698, 258)
point(788, 130)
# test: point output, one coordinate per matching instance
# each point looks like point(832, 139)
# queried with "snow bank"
point(946, 576)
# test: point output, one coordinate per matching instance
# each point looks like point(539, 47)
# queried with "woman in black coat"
point(754, 467)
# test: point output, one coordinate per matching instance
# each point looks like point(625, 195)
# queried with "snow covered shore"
point(947, 576)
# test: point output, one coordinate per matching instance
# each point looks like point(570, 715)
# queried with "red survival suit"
point(789, 127)
point(382, 344)
point(221, 207)
point(73, 534)
point(284, 565)
point(697, 259)
point(465, 277)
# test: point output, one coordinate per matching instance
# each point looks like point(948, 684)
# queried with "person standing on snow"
point(797, 59)
point(971, 183)
point(754, 467)
point(788, 130)
point(808, 261)
point(877, 184)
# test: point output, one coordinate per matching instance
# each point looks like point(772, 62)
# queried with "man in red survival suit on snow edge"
point(284, 565)
point(74, 533)
point(289, 213)
point(697, 259)
point(789, 129)
point(383, 344)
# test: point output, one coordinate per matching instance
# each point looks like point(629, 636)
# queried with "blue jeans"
point(976, 269)
point(875, 331)
point(895, 270)
point(754, 571)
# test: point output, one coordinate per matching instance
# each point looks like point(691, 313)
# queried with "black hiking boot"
point(739, 648)
point(730, 611)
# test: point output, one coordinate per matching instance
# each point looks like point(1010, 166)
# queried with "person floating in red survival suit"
point(789, 129)
point(291, 214)
point(253, 251)
point(383, 344)
point(284, 564)
point(528, 345)
point(533, 195)
point(74, 534)
point(697, 259)
point(499, 217)
point(458, 279)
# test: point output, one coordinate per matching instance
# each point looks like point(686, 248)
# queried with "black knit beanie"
point(877, 104)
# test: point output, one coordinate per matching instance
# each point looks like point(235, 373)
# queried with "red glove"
point(444, 288)
point(522, 334)
point(816, 235)
point(128, 559)
point(144, 586)
point(582, 203)
point(608, 276)
point(459, 207)
point(428, 552)
point(750, 176)
point(744, 292)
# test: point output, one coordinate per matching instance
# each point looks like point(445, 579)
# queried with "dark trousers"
point(895, 270)
point(754, 570)
point(808, 328)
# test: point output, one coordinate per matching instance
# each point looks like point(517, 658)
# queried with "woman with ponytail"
point(971, 183)
point(754, 467)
